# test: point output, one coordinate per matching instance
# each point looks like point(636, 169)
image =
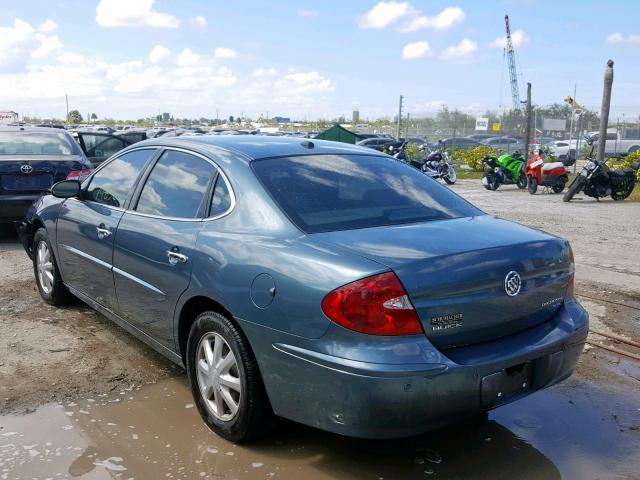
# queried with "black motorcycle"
point(436, 165)
point(597, 180)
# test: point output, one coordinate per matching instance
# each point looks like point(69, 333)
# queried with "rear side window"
point(177, 186)
point(321, 193)
point(112, 184)
point(221, 201)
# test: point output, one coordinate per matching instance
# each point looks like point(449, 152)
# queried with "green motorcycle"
point(507, 169)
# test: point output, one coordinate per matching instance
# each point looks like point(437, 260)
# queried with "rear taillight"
point(569, 293)
point(79, 175)
point(377, 305)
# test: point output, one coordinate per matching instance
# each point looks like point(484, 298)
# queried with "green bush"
point(472, 157)
point(626, 162)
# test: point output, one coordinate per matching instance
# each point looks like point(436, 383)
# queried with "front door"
point(86, 227)
point(154, 245)
point(97, 146)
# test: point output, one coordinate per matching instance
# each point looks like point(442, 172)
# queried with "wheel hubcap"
point(44, 266)
point(218, 377)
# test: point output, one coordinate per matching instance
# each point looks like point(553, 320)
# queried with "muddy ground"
point(97, 391)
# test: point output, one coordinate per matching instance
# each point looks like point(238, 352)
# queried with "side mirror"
point(66, 189)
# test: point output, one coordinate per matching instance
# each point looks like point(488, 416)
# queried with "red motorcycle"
point(553, 175)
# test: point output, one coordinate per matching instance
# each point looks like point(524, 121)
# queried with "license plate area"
point(34, 182)
point(503, 386)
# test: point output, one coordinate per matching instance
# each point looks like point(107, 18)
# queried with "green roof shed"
point(338, 134)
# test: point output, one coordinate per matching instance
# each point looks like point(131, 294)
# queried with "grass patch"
point(469, 174)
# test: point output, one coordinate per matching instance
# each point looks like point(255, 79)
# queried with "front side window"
point(176, 186)
point(321, 193)
point(112, 184)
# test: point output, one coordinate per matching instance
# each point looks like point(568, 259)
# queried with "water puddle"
point(578, 430)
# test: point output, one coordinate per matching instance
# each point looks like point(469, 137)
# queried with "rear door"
point(97, 147)
point(156, 238)
point(86, 227)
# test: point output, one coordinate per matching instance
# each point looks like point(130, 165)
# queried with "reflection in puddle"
point(155, 433)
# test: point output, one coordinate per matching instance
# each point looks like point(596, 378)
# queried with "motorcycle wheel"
point(533, 185)
point(558, 188)
point(577, 185)
point(450, 177)
point(522, 181)
point(493, 182)
point(617, 196)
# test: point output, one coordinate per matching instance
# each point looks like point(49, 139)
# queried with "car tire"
point(45, 269)
point(236, 381)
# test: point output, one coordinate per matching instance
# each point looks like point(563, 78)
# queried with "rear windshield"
point(322, 193)
point(35, 143)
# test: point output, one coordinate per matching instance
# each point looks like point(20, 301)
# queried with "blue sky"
point(135, 58)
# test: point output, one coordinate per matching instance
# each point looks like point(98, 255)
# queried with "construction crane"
point(513, 75)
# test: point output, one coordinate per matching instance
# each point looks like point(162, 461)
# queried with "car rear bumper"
point(14, 207)
point(378, 400)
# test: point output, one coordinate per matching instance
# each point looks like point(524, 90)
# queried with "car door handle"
point(176, 258)
point(103, 232)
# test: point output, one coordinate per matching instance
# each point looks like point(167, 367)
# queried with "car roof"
point(255, 147)
point(17, 128)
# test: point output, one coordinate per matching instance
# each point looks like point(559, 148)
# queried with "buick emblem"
point(26, 168)
point(512, 283)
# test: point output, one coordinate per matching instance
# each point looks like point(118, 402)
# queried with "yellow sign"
point(495, 127)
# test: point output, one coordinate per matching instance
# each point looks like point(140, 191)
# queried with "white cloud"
point(416, 50)
point(518, 37)
point(264, 72)
point(223, 52)
point(132, 13)
point(619, 39)
point(446, 19)
point(461, 51)
point(36, 71)
point(21, 42)
point(408, 18)
point(47, 26)
point(158, 54)
point(187, 58)
point(199, 22)
point(308, 13)
point(384, 14)
point(47, 45)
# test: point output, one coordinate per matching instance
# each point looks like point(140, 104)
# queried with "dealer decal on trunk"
point(445, 322)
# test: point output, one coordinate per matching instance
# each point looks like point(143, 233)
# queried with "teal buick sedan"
point(325, 283)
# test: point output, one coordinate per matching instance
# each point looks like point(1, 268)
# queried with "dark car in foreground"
point(31, 160)
point(317, 281)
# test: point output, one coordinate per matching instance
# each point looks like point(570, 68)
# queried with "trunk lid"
point(35, 173)
point(455, 270)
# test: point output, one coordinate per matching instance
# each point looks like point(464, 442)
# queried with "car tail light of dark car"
point(377, 305)
point(79, 175)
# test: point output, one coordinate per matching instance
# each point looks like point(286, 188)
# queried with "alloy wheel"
point(218, 377)
point(44, 264)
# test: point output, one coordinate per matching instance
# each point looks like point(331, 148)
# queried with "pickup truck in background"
point(615, 145)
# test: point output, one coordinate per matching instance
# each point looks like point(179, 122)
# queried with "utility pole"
point(604, 109)
point(528, 133)
point(66, 97)
point(399, 118)
point(406, 127)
